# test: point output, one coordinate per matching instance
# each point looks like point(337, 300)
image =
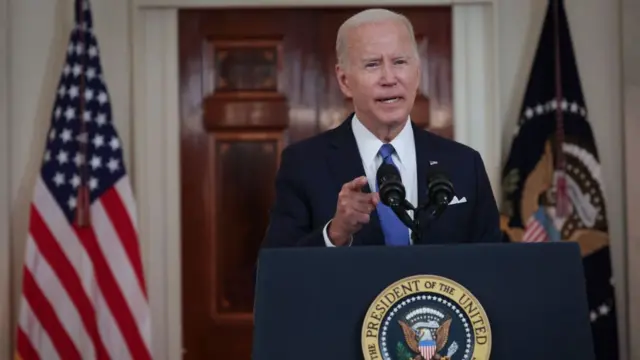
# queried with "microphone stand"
point(414, 224)
point(415, 232)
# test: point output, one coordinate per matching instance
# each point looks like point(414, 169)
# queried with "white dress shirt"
point(404, 157)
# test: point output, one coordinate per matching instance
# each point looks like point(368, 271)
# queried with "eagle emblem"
point(427, 323)
point(427, 339)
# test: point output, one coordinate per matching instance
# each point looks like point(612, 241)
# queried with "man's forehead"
point(388, 27)
point(367, 43)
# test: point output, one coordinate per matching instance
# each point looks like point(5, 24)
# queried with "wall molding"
point(630, 30)
point(156, 130)
point(632, 209)
point(6, 333)
point(475, 109)
point(156, 171)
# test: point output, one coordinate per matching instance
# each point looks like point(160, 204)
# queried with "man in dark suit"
point(326, 191)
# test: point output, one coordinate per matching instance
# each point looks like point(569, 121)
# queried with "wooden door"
point(252, 82)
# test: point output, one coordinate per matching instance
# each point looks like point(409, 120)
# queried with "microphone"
point(393, 194)
point(440, 191)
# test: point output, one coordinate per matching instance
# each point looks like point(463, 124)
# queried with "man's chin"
point(392, 119)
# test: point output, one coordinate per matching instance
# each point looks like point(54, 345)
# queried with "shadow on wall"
point(514, 102)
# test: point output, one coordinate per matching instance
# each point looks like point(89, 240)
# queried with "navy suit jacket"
point(312, 172)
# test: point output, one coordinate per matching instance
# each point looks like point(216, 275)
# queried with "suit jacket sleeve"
point(290, 220)
point(485, 222)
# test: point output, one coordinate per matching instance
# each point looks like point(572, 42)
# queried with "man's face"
point(383, 72)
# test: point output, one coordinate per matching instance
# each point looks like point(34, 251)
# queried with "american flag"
point(83, 289)
point(540, 228)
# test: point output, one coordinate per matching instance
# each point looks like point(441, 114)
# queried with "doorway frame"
point(156, 127)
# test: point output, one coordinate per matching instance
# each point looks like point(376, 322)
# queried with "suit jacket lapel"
point(422, 162)
point(422, 167)
point(345, 164)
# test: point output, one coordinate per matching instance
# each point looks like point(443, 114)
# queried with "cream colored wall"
point(631, 68)
point(5, 236)
point(37, 41)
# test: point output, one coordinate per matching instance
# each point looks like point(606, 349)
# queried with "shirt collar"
point(369, 144)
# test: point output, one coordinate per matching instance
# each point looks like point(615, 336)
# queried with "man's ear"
point(341, 75)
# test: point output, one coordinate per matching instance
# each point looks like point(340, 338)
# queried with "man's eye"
point(371, 64)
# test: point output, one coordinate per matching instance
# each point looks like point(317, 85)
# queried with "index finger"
point(357, 183)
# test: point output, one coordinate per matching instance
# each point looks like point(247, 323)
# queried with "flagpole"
point(562, 200)
point(82, 211)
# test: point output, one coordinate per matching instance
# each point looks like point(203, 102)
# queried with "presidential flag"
point(552, 181)
point(83, 289)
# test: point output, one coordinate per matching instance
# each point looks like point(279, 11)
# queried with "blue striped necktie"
point(395, 232)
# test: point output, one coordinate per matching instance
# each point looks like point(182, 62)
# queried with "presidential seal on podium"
point(426, 317)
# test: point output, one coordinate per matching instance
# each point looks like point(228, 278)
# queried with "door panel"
point(251, 82)
point(241, 163)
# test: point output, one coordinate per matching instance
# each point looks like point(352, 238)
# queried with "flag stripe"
point(109, 331)
point(49, 320)
point(117, 212)
point(123, 187)
point(124, 275)
point(534, 233)
point(51, 287)
point(26, 351)
point(52, 251)
point(112, 294)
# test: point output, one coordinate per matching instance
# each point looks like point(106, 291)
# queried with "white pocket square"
point(455, 200)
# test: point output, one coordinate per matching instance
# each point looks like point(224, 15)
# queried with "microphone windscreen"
point(387, 171)
point(439, 186)
point(439, 177)
point(392, 192)
point(435, 170)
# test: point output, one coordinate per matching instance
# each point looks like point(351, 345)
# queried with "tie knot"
point(385, 151)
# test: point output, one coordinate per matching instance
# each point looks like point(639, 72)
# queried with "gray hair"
point(366, 17)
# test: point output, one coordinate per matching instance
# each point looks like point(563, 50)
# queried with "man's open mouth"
point(390, 100)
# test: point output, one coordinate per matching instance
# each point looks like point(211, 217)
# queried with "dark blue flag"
point(552, 180)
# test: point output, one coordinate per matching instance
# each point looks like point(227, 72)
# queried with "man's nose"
point(388, 77)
